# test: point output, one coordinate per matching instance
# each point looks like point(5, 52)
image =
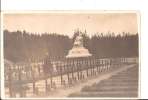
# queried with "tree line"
point(22, 46)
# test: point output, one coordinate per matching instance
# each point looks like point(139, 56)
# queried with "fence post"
point(72, 68)
point(60, 72)
point(10, 80)
point(68, 71)
point(33, 79)
point(78, 68)
point(87, 67)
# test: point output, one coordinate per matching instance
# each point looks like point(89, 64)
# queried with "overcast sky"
point(66, 23)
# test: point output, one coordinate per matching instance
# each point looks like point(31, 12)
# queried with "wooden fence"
point(69, 71)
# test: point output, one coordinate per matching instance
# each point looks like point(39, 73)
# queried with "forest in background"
point(22, 46)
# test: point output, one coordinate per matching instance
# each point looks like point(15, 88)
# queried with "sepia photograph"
point(71, 54)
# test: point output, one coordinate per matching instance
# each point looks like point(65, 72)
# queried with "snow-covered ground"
point(62, 91)
point(88, 82)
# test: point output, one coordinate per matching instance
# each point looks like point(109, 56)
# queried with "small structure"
point(78, 50)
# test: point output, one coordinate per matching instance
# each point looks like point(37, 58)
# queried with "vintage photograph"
point(71, 54)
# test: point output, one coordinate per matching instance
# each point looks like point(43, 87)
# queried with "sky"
point(66, 23)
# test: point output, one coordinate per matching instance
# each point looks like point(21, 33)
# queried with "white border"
point(71, 12)
point(2, 56)
point(71, 4)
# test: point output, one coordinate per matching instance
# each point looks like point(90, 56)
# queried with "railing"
point(74, 70)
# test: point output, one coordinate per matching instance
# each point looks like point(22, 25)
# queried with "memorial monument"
point(78, 50)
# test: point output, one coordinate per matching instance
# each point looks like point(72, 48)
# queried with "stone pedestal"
point(78, 49)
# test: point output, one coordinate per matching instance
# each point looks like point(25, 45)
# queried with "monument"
point(78, 50)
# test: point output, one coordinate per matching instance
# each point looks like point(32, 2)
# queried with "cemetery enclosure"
point(25, 78)
point(121, 84)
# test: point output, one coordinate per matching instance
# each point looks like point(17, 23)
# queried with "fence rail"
point(66, 71)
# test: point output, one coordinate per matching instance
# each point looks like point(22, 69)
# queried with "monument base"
point(78, 52)
point(78, 49)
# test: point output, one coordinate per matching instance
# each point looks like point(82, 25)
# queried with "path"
point(64, 92)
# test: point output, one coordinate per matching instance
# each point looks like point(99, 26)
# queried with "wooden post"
point(104, 67)
point(33, 79)
point(61, 74)
point(10, 81)
point(20, 79)
point(97, 65)
point(81, 65)
point(72, 68)
point(33, 86)
point(67, 70)
point(39, 70)
point(87, 72)
point(91, 65)
point(51, 81)
point(94, 67)
point(86, 64)
point(78, 70)
point(72, 72)
point(46, 84)
point(101, 64)
point(80, 75)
